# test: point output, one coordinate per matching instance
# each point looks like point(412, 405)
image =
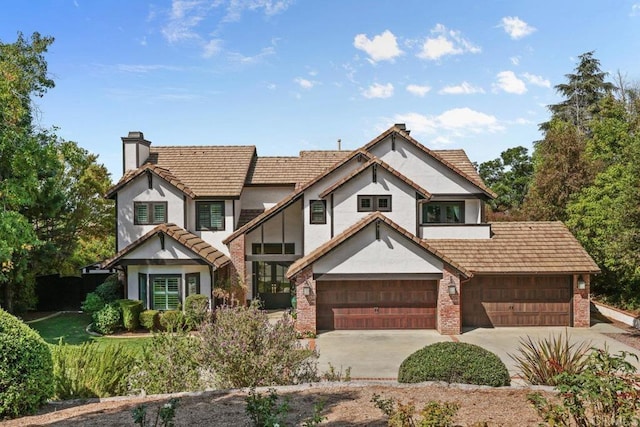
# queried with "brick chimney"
point(135, 151)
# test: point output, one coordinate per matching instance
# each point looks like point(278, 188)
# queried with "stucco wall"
point(263, 197)
point(482, 231)
point(288, 220)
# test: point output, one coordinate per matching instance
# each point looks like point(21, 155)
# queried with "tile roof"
point(520, 247)
point(293, 170)
point(204, 250)
point(291, 197)
point(321, 251)
point(247, 215)
point(447, 160)
point(370, 163)
point(159, 171)
point(207, 170)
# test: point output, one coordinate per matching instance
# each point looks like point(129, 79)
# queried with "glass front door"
point(270, 284)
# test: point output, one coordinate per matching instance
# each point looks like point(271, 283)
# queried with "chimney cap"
point(401, 126)
point(135, 134)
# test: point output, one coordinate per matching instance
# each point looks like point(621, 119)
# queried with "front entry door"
point(270, 284)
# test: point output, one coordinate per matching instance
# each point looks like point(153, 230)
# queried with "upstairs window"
point(318, 210)
point(374, 203)
point(443, 213)
point(210, 216)
point(146, 213)
point(273, 248)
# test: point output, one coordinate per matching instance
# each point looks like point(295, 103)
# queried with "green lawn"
point(71, 327)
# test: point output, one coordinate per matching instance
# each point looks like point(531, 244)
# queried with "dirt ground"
point(346, 404)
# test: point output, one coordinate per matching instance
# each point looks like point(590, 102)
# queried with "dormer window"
point(374, 203)
point(443, 213)
point(150, 213)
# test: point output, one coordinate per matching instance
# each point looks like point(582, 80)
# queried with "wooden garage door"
point(367, 304)
point(516, 301)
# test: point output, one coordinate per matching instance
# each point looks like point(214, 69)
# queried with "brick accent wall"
point(581, 303)
point(238, 266)
point(306, 311)
point(449, 320)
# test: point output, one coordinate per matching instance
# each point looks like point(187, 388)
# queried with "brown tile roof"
point(520, 247)
point(207, 170)
point(462, 169)
point(247, 215)
point(370, 163)
point(293, 170)
point(291, 198)
point(321, 251)
point(204, 250)
point(159, 171)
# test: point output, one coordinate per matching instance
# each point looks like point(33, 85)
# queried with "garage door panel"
point(396, 304)
point(517, 301)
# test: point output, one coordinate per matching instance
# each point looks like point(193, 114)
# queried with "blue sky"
point(289, 75)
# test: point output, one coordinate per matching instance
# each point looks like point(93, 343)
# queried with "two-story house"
point(389, 236)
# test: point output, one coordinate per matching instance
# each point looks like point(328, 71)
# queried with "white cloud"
point(377, 90)
point(445, 42)
point(508, 82)
point(515, 60)
point(212, 48)
point(242, 59)
point(537, 80)
point(185, 15)
point(235, 8)
point(516, 27)
point(383, 47)
point(145, 68)
point(454, 123)
point(272, 86)
point(463, 88)
point(635, 9)
point(418, 90)
point(522, 121)
point(304, 83)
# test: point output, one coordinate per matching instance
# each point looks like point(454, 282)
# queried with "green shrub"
point(88, 370)
point(173, 320)
point(164, 417)
point(266, 411)
point(92, 303)
point(150, 320)
point(245, 350)
point(196, 310)
point(433, 414)
point(107, 320)
point(131, 310)
point(454, 362)
point(110, 290)
point(26, 370)
point(169, 364)
point(540, 361)
point(604, 393)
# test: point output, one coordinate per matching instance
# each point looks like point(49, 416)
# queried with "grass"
point(71, 327)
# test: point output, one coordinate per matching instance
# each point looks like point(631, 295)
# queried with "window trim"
point(150, 212)
point(187, 276)
point(152, 278)
point(443, 205)
point(285, 248)
point(143, 288)
point(323, 203)
point(375, 203)
point(223, 213)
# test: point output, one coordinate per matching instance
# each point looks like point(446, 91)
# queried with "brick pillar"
point(238, 270)
point(581, 303)
point(449, 321)
point(306, 310)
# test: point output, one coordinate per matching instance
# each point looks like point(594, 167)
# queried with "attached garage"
point(376, 304)
point(489, 301)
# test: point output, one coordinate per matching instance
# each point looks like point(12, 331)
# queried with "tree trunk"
point(8, 297)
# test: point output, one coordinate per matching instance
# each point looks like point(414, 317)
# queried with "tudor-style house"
point(389, 236)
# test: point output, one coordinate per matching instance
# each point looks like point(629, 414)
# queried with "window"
point(165, 292)
point(318, 212)
point(150, 213)
point(443, 213)
point(142, 289)
point(193, 283)
point(210, 216)
point(374, 203)
point(273, 248)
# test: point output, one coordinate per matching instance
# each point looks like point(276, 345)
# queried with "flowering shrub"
point(245, 350)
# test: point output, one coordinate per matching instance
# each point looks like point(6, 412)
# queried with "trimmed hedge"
point(150, 320)
point(26, 369)
point(131, 310)
point(454, 362)
point(173, 320)
point(108, 319)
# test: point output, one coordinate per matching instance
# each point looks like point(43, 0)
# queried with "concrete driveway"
point(378, 354)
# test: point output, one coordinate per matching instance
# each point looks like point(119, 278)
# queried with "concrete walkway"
point(378, 354)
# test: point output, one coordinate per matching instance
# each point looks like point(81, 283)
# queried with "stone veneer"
point(581, 303)
point(448, 321)
point(306, 304)
point(238, 270)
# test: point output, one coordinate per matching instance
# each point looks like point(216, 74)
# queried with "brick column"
point(581, 303)
point(449, 321)
point(306, 310)
point(238, 270)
